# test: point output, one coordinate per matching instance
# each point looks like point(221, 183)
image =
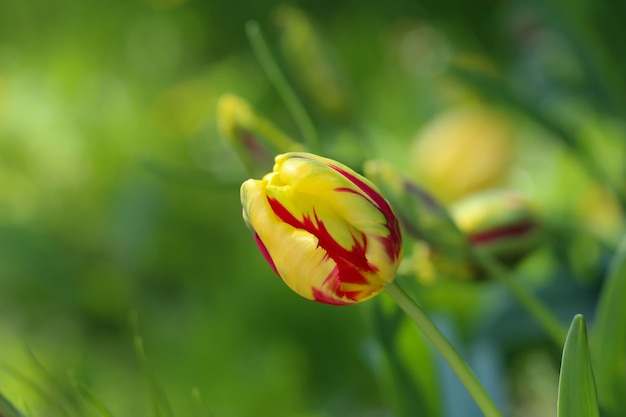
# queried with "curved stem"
point(553, 327)
point(449, 353)
point(279, 81)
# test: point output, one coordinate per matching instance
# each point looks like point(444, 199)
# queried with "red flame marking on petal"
point(351, 265)
point(265, 252)
point(322, 297)
point(393, 242)
point(341, 255)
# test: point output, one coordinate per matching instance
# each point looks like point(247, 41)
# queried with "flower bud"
point(499, 222)
point(253, 137)
point(324, 229)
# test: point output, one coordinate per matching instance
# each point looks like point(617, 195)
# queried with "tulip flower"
point(324, 229)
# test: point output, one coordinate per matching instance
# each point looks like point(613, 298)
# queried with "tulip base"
point(449, 353)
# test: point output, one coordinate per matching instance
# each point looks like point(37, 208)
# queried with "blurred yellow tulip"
point(461, 151)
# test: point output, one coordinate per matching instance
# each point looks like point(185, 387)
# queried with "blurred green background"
point(118, 198)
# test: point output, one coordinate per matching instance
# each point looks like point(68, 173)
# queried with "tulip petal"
point(284, 242)
point(361, 205)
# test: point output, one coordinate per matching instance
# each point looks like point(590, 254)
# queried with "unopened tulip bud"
point(324, 229)
point(499, 222)
point(253, 137)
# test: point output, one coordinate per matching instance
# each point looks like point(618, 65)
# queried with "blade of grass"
point(609, 337)
point(577, 389)
point(89, 398)
point(50, 398)
point(7, 409)
point(162, 407)
point(62, 389)
point(195, 392)
point(278, 79)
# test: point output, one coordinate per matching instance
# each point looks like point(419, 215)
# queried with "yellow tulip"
point(324, 229)
point(462, 151)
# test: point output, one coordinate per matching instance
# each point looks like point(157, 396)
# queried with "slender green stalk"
point(161, 404)
point(553, 327)
point(275, 136)
point(90, 398)
point(449, 353)
point(279, 81)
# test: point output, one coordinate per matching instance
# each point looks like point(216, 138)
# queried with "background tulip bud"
point(462, 151)
point(253, 137)
point(324, 229)
point(499, 222)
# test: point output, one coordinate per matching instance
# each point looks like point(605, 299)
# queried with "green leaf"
point(577, 388)
point(161, 404)
point(609, 342)
point(91, 399)
point(7, 409)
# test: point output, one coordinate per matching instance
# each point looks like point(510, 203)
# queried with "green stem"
point(275, 136)
point(279, 81)
point(449, 353)
point(553, 327)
